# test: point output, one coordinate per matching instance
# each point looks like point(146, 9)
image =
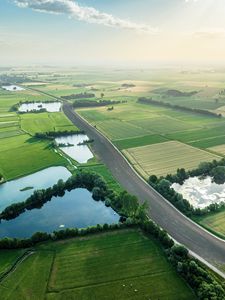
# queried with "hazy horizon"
point(126, 33)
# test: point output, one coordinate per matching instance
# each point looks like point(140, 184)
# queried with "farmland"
point(214, 222)
point(165, 158)
point(22, 155)
point(97, 267)
point(44, 122)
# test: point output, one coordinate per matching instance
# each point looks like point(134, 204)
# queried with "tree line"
point(214, 169)
point(178, 107)
point(53, 134)
point(78, 96)
point(90, 103)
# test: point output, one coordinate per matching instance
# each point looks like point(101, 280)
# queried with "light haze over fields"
point(96, 31)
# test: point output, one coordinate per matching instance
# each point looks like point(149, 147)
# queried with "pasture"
point(22, 155)
point(165, 158)
point(215, 222)
point(117, 265)
point(44, 122)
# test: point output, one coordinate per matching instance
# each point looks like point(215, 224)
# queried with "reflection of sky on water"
point(12, 88)
point(50, 107)
point(10, 191)
point(79, 153)
point(201, 193)
point(74, 209)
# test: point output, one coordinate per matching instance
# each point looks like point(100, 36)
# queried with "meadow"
point(117, 265)
point(22, 155)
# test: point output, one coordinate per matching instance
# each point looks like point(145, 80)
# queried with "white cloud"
point(83, 13)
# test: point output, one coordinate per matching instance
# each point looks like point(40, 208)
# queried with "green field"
point(105, 173)
point(44, 122)
point(22, 155)
point(139, 141)
point(165, 158)
point(118, 265)
point(215, 222)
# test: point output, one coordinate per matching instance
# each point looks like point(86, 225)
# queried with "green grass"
point(139, 141)
point(105, 173)
point(215, 222)
point(22, 155)
point(197, 135)
point(105, 266)
point(115, 129)
point(7, 258)
point(158, 124)
point(29, 281)
point(44, 122)
point(209, 143)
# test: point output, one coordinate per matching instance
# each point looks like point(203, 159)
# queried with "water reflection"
point(50, 107)
point(70, 143)
point(74, 209)
point(201, 193)
point(10, 192)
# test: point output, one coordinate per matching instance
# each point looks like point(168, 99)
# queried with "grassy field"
point(7, 258)
point(105, 173)
point(139, 141)
point(165, 158)
point(44, 122)
point(215, 222)
point(120, 265)
point(219, 149)
point(21, 155)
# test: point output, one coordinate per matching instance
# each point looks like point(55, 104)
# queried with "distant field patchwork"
point(164, 158)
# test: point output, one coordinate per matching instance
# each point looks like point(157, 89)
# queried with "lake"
point(201, 192)
point(50, 107)
point(12, 88)
point(75, 209)
point(80, 153)
point(10, 191)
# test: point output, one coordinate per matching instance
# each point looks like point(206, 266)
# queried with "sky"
point(135, 32)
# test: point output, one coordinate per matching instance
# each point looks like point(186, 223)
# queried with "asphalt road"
point(183, 230)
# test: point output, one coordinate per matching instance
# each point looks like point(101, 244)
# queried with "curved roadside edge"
point(215, 269)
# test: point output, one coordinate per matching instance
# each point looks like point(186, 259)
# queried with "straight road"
point(182, 229)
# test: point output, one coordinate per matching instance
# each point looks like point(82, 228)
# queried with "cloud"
point(211, 33)
point(83, 13)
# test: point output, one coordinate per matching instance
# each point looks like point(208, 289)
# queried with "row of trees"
point(79, 96)
point(53, 134)
point(215, 169)
point(91, 103)
point(178, 107)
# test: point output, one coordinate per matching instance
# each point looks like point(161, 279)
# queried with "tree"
point(218, 174)
point(102, 95)
point(129, 204)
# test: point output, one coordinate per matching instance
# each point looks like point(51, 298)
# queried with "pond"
point(49, 106)
point(75, 209)
point(201, 192)
point(10, 192)
point(12, 88)
point(80, 153)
